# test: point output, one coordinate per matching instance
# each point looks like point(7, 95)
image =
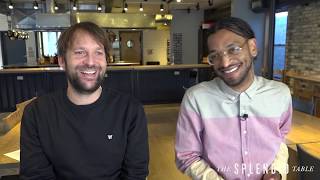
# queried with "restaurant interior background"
point(287, 32)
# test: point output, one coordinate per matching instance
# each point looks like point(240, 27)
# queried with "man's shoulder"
point(272, 84)
point(119, 96)
point(44, 101)
point(203, 86)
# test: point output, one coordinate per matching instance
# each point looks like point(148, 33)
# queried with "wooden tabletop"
point(305, 129)
point(313, 148)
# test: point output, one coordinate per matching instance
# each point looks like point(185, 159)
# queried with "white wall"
point(257, 22)
point(3, 27)
point(155, 45)
point(3, 22)
point(188, 24)
point(1, 60)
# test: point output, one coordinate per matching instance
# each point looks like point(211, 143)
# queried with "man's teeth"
point(231, 70)
point(88, 72)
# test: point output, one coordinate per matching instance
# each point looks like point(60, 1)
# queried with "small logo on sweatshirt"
point(109, 136)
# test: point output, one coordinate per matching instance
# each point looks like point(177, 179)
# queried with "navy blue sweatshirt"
point(107, 139)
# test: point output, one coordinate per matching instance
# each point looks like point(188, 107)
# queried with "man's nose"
point(90, 59)
point(224, 59)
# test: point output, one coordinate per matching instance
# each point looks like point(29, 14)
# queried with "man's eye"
point(234, 50)
point(213, 55)
point(80, 53)
point(100, 53)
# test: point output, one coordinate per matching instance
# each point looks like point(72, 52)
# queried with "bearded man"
point(233, 127)
point(85, 131)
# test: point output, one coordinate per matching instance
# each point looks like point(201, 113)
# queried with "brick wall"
point(303, 38)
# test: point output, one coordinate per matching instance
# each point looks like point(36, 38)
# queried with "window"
point(47, 43)
point(279, 54)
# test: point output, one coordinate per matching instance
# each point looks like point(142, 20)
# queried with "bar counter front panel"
point(149, 84)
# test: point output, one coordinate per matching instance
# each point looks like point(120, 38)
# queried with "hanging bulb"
point(125, 6)
point(35, 5)
point(141, 8)
point(99, 7)
point(55, 6)
point(74, 7)
point(10, 6)
point(161, 7)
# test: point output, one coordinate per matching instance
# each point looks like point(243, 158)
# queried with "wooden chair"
point(13, 118)
point(307, 160)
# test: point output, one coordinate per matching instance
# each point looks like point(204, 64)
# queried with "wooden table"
point(313, 148)
point(305, 86)
point(305, 129)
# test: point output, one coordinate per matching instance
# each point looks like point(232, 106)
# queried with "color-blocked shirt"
point(237, 134)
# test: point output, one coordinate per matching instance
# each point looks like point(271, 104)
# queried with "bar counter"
point(109, 68)
point(151, 84)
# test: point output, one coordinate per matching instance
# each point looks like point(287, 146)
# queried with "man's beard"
point(79, 86)
point(238, 81)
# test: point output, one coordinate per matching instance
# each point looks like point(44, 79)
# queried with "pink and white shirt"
point(237, 134)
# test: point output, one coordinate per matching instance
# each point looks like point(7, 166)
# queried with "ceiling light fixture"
point(99, 7)
point(198, 6)
point(35, 5)
point(141, 8)
point(10, 6)
point(74, 7)
point(161, 7)
point(125, 6)
point(178, 1)
point(55, 6)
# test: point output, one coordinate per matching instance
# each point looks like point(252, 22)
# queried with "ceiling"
point(116, 6)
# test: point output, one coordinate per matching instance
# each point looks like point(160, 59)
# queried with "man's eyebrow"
point(213, 50)
point(77, 48)
point(232, 44)
point(227, 46)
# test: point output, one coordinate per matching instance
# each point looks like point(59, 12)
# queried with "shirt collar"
point(252, 90)
point(232, 94)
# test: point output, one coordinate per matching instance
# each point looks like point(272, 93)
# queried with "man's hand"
point(272, 176)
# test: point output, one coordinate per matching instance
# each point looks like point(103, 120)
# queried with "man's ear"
point(61, 62)
point(253, 47)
